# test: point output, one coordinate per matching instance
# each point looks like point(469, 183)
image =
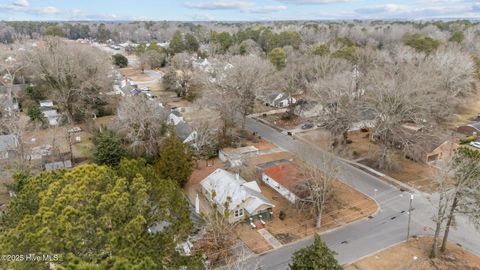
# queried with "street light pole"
point(409, 216)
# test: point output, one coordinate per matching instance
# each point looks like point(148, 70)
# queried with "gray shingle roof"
point(475, 125)
point(7, 143)
point(183, 130)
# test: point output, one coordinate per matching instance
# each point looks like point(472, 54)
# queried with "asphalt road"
point(362, 238)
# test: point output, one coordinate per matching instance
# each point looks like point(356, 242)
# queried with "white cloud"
point(267, 9)
point(390, 8)
point(215, 5)
point(21, 3)
point(243, 6)
point(313, 2)
point(44, 11)
point(442, 1)
point(413, 12)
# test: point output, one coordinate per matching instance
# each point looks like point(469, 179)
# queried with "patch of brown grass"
point(414, 256)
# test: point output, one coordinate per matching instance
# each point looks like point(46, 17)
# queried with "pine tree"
point(176, 43)
point(98, 218)
point(175, 161)
point(107, 147)
point(278, 58)
point(120, 60)
point(191, 43)
point(315, 257)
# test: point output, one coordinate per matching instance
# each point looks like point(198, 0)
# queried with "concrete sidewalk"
point(270, 238)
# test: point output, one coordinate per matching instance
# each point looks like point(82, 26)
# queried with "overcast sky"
point(235, 10)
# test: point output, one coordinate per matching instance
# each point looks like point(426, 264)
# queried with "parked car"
point(307, 126)
point(475, 144)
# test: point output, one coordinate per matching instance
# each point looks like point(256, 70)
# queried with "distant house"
point(51, 115)
point(165, 44)
point(175, 117)
point(284, 177)
point(41, 151)
point(202, 64)
point(366, 119)
point(50, 112)
point(470, 129)
point(234, 156)
point(434, 149)
point(8, 146)
point(235, 198)
point(185, 132)
point(55, 165)
point(428, 146)
point(62, 161)
point(280, 100)
point(46, 103)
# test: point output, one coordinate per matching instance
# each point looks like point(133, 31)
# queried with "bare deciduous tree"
point(318, 189)
point(341, 102)
point(218, 239)
point(205, 141)
point(75, 75)
point(142, 122)
point(240, 80)
point(459, 191)
point(12, 62)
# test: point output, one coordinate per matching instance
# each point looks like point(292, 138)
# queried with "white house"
point(235, 198)
point(175, 117)
point(234, 156)
point(280, 100)
point(284, 177)
point(202, 64)
point(51, 115)
point(46, 103)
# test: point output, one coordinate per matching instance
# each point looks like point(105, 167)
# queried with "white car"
point(475, 144)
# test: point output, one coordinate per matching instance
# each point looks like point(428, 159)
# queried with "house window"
point(238, 213)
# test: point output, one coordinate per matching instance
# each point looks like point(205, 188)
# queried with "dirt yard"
point(414, 256)
point(417, 174)
point(276, 119)
point(467, 110)
point(135, 74)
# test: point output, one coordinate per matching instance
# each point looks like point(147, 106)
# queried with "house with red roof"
point(284, 177)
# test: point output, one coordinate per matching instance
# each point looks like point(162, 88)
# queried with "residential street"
point(365, 237)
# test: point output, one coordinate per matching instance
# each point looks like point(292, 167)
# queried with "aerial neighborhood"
point(269, 144)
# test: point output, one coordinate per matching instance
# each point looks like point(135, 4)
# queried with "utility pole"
point(409, 216)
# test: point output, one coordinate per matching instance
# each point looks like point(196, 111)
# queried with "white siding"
point(287, 194)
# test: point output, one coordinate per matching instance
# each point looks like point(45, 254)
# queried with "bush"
point(421, 42)
point(468, 139)
point(120, 61)
point(282, 215)
point(321, 50)
point(286, 116)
